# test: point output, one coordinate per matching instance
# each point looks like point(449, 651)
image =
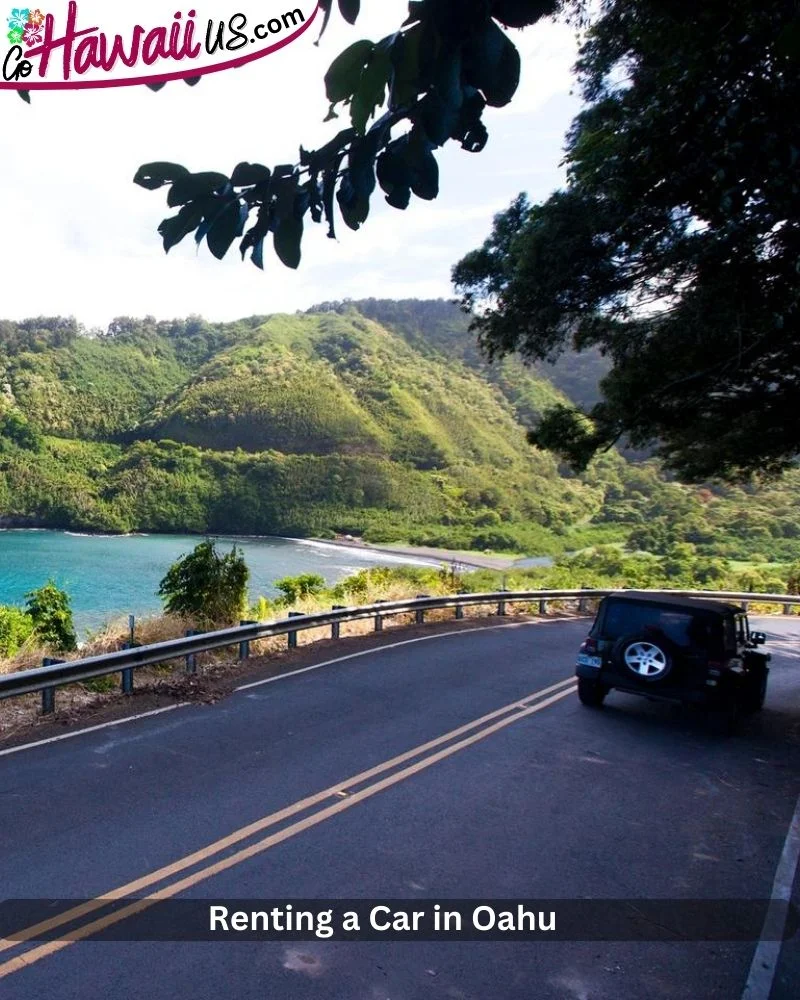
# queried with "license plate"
point(590, 661)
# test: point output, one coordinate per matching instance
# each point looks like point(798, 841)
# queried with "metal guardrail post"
point(379, 619)
point(127, 675)
point(336, 627)
point(501, 608)
point(191, 658)
point(420, 613)
point(787, 609)
point(460, 608)
point(542, 607)
point(49, 694)
point(244, 645)
point(292, 636)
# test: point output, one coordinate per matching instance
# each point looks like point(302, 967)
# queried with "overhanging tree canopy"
point(432, 80)
point(675, 247)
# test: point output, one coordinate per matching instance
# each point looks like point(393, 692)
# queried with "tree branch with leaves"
point(407, 95)
point(674, 248)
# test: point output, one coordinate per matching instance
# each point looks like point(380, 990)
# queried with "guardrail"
point(56, 673)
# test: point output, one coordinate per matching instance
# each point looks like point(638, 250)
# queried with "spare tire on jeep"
point(643, 657)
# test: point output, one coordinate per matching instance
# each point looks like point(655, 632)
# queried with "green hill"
point(375, 418)
point(438, 326)
point(291, 425)
point(325, 384)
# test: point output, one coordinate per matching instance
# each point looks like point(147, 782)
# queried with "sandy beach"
point(471, 560)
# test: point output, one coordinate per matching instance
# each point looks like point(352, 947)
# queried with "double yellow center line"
point(345, 794)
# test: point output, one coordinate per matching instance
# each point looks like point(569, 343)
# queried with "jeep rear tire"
point(591, 693)
point(642, 657)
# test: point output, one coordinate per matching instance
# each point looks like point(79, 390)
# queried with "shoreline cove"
point(110, 577)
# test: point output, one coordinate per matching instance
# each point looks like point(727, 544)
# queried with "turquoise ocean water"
point(112, 577)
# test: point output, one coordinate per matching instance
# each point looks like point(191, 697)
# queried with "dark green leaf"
point(400, 198)
point(155, 175)
point(344, 74)
point(522, 13)
point(257, 256)
point(317, 160)
point(405, 53)
point(25, 95)
point(350, 10)
point(288, 241)
point(314, 199)
point(371, 91)
point(285, 192)
point(493, 66)
point(174, 229)
point(447, 79)
point(325, 6)
point(436, 119)
point(254, 239)
point(353, 203)
point(224, 228)
point(361, 163)
point(469, 130)
point(191, 186)
point(329, 179)
point(246, 174)
point(202, 232)
point(302, 203)
point(425, 172)
point(394, 173)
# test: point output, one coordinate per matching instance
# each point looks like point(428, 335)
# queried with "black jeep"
point(679, 649)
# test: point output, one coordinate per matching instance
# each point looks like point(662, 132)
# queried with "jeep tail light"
point(589, 645)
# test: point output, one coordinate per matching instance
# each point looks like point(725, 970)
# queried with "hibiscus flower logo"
point(20, 16)
point(32, 35)
point(25, 26)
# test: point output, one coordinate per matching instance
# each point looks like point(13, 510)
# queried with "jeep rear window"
point(639, 619)
point(730, 634)
point(743, 628)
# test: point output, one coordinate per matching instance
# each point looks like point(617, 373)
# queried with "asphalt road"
point(544, 799)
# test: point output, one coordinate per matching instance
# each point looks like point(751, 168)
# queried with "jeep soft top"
point(697, 603)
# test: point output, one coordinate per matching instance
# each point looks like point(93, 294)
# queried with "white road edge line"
point(765, 960)
point(269, 680)
point(93, 729)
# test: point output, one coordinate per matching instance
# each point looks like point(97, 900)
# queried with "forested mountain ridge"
point(372, 418)
point(442, 326)
point(307, 425)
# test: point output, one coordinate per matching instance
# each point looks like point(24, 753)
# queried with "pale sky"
point(80, 239)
